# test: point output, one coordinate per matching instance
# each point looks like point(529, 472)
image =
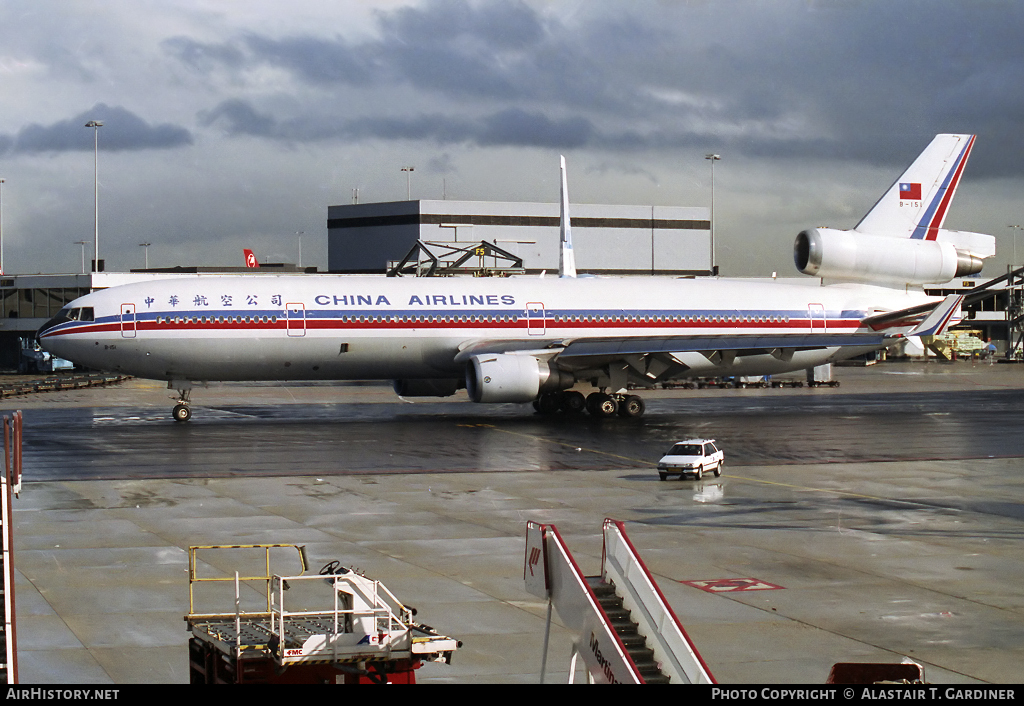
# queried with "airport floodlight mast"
point(408, 182)
point(713, 158)
point(146, 246)
point(96, 125)
point(1, 226)
point(300, 233)
point(83, 243)
point(1014, 242)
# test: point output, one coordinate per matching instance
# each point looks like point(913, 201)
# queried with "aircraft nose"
point(43, 329)
point(53, 323)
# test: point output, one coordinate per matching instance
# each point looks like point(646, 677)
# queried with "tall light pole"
point(1, 226)
point(96, 125)
point(1014, 242)
point(408, 182)
point(83, 243)
point(146, 246)
point(300, 233)
point(713, 158)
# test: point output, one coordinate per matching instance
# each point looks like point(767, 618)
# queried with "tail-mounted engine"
point(850, 256)
point(503, 377)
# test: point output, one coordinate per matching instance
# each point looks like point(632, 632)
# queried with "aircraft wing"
point(750, 345)
point(662, 357)
point(930, 319)
point(653, 359)
point(616, 347)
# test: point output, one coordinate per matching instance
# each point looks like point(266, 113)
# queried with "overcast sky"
point(236, 123)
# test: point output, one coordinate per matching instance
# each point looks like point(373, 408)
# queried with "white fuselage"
point(336, 327)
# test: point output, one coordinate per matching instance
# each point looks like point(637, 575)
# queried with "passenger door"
point(127, 321)
point(536, 324)
point(295, 319)
point(816, 318)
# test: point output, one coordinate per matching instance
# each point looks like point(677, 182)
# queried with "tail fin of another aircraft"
point(250, 258)
point(566, 257)
point(936, 323)
point(915, 206)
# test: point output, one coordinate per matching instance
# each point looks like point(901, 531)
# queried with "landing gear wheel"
point(718, 469)
point(548, 403)
point(181, 413)
point(601, 404)
point(632, 406)
point(573, 402)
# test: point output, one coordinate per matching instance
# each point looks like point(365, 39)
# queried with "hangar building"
point(660, 240)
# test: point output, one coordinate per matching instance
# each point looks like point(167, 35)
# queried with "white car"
point(692, 457)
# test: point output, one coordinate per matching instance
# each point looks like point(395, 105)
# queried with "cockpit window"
point(83, 314)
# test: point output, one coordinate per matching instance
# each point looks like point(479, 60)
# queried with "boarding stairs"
point(10, 485)
point(625, 630)
point(628, 631)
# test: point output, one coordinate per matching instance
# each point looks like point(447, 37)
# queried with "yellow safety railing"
point(267, 576)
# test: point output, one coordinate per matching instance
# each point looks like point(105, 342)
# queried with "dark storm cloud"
point(520, 127)
point(503, 128)
point(237, 117)
point(122, 130)
point(317, 60)
point(866, 81)
point(447, 45)
point(203, 56)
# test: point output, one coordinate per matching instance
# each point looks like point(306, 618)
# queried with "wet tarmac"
point(888, 510)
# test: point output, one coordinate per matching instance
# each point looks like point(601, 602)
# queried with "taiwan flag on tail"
point(910, 192)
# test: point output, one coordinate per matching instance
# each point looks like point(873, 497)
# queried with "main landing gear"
point(598, 404)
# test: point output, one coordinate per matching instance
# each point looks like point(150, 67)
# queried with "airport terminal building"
point(607, 240)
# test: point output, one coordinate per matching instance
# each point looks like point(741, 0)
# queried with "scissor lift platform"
point(341, 627)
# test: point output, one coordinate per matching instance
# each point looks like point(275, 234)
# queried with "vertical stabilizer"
point(566, 257)
point(915, 206)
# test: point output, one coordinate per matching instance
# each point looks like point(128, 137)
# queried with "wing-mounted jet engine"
point(511, 377)
point(901, 241)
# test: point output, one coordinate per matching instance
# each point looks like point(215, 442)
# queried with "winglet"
point(935, 323)
point(566, 257)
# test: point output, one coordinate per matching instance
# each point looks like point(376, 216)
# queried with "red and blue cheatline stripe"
point(935, 214)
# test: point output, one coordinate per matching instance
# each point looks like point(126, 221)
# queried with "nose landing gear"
point(182, 412)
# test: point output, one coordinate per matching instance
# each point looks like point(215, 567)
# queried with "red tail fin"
point(250, 258)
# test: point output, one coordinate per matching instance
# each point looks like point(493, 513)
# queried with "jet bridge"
point(429, 258)
point(626, 633)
